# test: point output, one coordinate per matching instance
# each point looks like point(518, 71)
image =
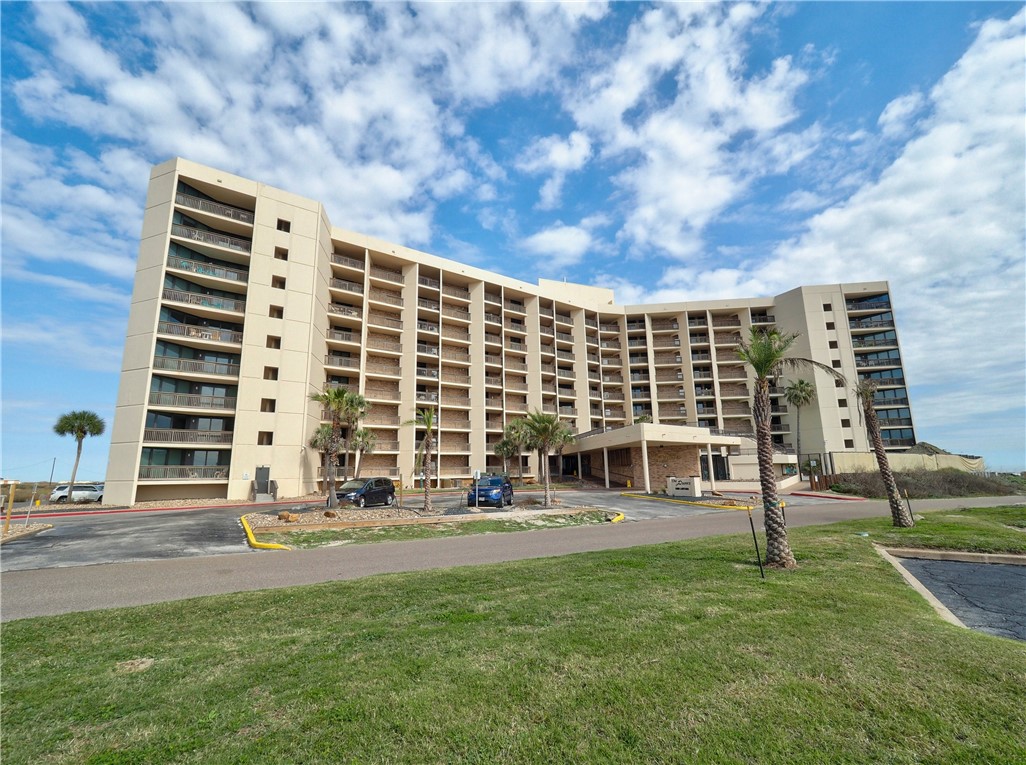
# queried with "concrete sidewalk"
point(49, 591)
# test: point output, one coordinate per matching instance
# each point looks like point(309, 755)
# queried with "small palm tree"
point(865, 391)
point(346, 409)
point(78, 424)
point(323, 442)
point(362, 442)
point(507, 449)
point(547, 432)
point(765, 352)
point(798, 394)
point(517, 433)
point(426, 419)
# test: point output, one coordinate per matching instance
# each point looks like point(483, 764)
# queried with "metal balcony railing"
point(345, 260)
point(386, 274)
point(215, 208)
point(191, 400)
point(199, 332)
point(346, 286)
point(341, 361)
point(172, 364)
point(183, 472)
point(207, 301)
point(212, 237)
point(207, 269)
point(457, 292)
point(183, 436)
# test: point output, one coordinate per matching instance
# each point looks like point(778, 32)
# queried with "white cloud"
point(897, 116)
point(561, 246)
point(552, 154)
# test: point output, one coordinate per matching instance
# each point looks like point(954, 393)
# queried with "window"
point(270, 373)
point(830, 325)
point(832, 344)
point(849, 443)
point(835, 363)
point(838, 383)
point(267, 404)
point(828, 307)
point(281, 253)
point(284, 225)
point(845, 423)
point(265, 438)
point(273, 342)
point(276, 312)
point(843, 403)
point(278, 282)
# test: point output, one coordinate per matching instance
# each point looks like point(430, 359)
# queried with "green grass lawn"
point(305, 539)
point(667, 653)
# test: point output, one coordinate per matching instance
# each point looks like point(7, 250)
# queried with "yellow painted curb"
point(617, 518)
point(259, 545)
point(685, 502)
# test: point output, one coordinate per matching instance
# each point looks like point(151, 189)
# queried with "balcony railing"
point(456, 334)
point(199, 332)
point(889, 362)
point(517, 366)
point(427, 281)
point(215, 208)
point(456, 313)
point(173, 364)
point(345, 260)
point(492, 298)
point(896, 422)
point(494, 318)
point(461, 401)
point(565, 318)
point(875, 305)
point(763, 318)
point(378, 344)
point(726, 322)
point(385, 296)
point(384, 320)
point(878, 402)
point(207, 269)
point(871, 324)
point(457, 292)
point(512, 306)
point(191, 401)
point(381, 419)
point(344, 310)
point(182, 436)
point(346, 286)
point(207, 301)
point(892, 442)
point(453, 355)
point(660, 326)
point(183, 472)
point(425, 396)
point(212, 237)
point(430, 350)
point(341, 361)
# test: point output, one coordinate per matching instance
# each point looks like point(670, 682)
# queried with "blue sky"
point(671, 152)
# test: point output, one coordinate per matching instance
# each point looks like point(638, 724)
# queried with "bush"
point(925, 484)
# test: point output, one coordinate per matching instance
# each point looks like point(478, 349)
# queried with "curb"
point(814, 495)
point(25, 533)
point(252, 539)
point(1008, 559)
point(683, 502)
point(915, 584)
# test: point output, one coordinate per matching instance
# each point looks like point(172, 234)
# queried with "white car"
point(84, 492)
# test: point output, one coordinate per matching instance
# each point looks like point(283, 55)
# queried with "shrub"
point(925, 484)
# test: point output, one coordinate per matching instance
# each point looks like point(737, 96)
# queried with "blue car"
point(491, 490)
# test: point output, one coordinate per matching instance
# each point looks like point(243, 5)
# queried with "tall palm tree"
point(765, 352)
point(798, 394)
point(547, 432)
point(322, 441)
point(362, 442)
point(517, 433)
point(865, 391)
point(426, 419)
point(79, 424)
point(346, 408)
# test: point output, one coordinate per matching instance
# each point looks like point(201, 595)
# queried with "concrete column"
point(709, 462)
point(605, 464)
point(580, 467)
point(644, 466)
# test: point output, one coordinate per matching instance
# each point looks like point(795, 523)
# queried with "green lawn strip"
point(665, 653)
point(304, 539)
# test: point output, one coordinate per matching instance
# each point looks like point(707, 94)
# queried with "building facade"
point(247, 301)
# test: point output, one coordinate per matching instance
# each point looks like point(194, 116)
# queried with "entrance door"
point(263, 477)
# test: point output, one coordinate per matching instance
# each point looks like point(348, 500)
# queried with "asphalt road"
point(54, 590)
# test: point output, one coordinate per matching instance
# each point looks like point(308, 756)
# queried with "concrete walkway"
point(48, 591)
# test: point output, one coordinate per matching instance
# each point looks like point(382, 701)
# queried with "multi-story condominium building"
point(247, 301)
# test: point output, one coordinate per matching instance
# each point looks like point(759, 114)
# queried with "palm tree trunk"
point(428, 474)
point(520, 466)
point(900, 515)
point(798, 439)
point(778, 549)
point(545, 470)
point(74, 470)
point(329, 475)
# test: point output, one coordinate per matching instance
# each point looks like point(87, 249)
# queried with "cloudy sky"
point(671, 152)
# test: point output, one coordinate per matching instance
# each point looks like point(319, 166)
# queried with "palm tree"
point(78, 424)
point(547, 432)
point(426, 419)
point(362, 442)
point(798, 394)
point(346, 408)
point(517, 433)
point(322, 441)
point(507, 449)
point(865, 391)
point(765, 352)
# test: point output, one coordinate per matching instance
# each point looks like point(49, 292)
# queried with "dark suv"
point(367, 491)
point(491, 490)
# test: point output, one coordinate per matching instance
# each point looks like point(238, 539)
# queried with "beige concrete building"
point(247, 301)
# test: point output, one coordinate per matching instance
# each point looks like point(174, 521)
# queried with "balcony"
point(384, 320)
point(609, 327)
point(864, 362)
point(427, 326)
point(348, 262)
point(763, 318)
point(565, 318)
point(181, 436)
point(896, 422)
point(199, 332)
point(456, 313)
point(379, 344)
point(393, 370)
point(871, 324)
point(460, 401)
point(451, 290)
point(516, 326)
point(344, 310)
point(183, 472)
point(568, 373)
point(457, 355)
point(494, 318)
point(430, 350)
point(879, 402)
point(191, 401)
point(346, 286)
point(864, 305)
point(511, 305)
point(377, 418)
point(663, 326)
point(215, 238)
point(425, 397)
point(346, 362)
point(868, 342)
point(207, 269)
point(206, 301)
point(389, 297)
point(722, 339)
point(172, 364)
point(892, 443)
point(732, 322)
point(454, 333)
point(387, 274)
point(383, 393)
point(427, 281)
point(516, 366)
point(214, 208)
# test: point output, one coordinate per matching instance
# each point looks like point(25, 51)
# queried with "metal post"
point(758, 555)
point(605, 464)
